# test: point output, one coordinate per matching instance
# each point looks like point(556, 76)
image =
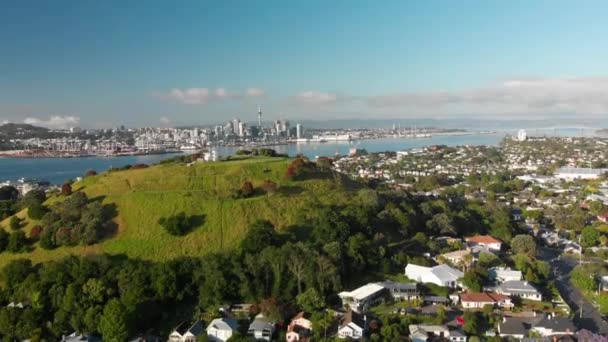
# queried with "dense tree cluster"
point(76, 220)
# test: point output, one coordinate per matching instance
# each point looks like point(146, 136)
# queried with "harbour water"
point(58, 170)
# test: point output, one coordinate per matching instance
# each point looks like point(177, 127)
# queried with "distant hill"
point(143, 196)
point(15, 129)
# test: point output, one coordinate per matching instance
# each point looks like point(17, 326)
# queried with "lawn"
point(207, 190)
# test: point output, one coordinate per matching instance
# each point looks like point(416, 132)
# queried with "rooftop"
point(483, 239)
point(363, 292)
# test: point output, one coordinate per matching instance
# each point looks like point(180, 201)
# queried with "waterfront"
point(58, 170)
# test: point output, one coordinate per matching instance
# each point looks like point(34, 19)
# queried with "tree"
point(66, 189)
point(16, 242)
point(114, 322)
point(247, 190)
point(260, 235)
point(36, 211)
point(15, 223)
point(269, 186)
point(589, 237)
point(35, 232)
point(473, 279)
point(8, 193)
point(524, 244)
point(310, 300)
point(90, 173)
point(471, 322)
point(36, 196)
point(15, 272)
point(176, 225)
point(3, 239)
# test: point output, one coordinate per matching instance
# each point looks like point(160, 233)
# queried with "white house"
point(352, 325)
point(185, 332)
point(485, 241)
point(221, 329)
point(519, 288)
point(364, 297)
point(261, 328)
point(401, 291)
point(502, 274)
point(441, 275)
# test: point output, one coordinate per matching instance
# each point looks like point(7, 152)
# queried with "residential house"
point(514, 327)
point(401, 291)
point(487, 241)
point(221, 329)
point(300, 328)
point(425, 332)
point(554, 326)
point(352, 325)
point(519, 288)
point(602, 218)
point(477, 300)
point(502, 274)
point(185, 332)
point(364, 297)
point(436, 300)
point(76, 337)
point(457, 335)
point(261, 328)
point(441, 275)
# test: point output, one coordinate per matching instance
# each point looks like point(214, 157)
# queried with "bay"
point(58, 170)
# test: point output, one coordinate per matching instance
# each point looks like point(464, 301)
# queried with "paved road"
point(591, 320)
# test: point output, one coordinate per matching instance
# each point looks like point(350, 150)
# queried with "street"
point(561, 267)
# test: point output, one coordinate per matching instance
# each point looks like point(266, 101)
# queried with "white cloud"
point(55, 121)
point(202, 96)
point(255, 92)
point(315, 97)
point(515, 96)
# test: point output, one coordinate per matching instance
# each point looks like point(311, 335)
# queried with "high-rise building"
point(299, 132)
point(242, 129)
point(259, 116)
point(522, 135)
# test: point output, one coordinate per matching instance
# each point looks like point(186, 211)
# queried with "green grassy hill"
point(143, 196)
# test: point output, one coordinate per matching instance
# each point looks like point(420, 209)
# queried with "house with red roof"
point(477, 300)
point(603, 218)
point(485, 241)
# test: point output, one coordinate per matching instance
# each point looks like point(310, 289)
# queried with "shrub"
point(36, 211)
point(16, 242)
point(35, 232)
point(15, 223)
point(3, 240)
point(66, 189)
point(90, 173)
point(247, 189)
point(269, 186)
point(176, 225)
point(139, 166)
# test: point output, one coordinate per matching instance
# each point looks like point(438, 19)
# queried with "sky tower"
point(259, 116)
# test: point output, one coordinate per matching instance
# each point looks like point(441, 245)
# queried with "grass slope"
point(143, 196)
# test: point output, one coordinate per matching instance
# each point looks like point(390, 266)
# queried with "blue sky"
point(103, 63)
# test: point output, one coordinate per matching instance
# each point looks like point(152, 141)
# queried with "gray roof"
point(261, 323)
point(517, 287)
point(514, 326)
point(557, 324)
point(393, 285)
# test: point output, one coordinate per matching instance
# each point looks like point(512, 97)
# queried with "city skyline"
point(105, 64)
